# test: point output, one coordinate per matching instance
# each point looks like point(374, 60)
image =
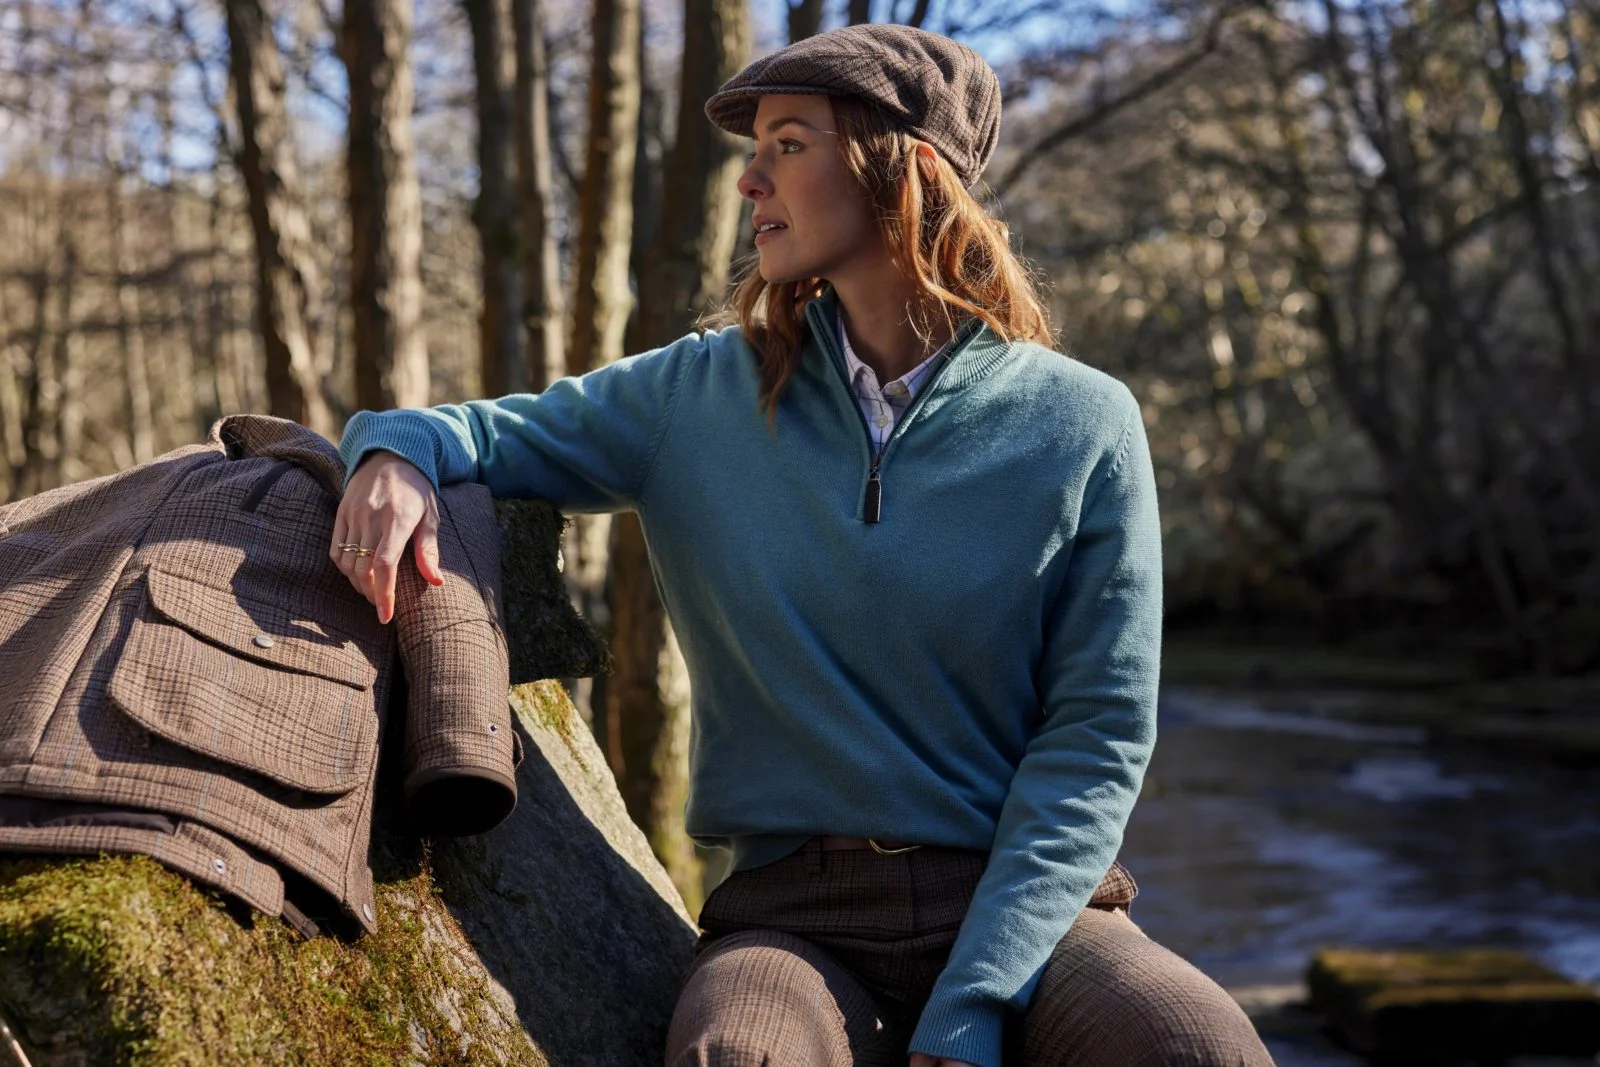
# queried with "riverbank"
point(1439, 690)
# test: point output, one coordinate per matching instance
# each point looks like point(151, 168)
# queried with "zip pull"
point(874, 509)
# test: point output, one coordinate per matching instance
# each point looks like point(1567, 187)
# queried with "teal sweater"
point(977, 669)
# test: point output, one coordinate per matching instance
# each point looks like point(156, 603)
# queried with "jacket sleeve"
point(461, 751)
point(1063, 819)
point(585, 444)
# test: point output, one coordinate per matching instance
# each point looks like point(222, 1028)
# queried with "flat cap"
point(930, 86)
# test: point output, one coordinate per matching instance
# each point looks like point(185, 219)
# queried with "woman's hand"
point(919, 1059)
point(384, 502)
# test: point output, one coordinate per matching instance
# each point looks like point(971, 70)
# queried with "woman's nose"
point(753, 184)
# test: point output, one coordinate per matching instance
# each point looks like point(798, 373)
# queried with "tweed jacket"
point(185, 674)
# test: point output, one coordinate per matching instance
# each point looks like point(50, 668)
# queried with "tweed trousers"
point(826, 958)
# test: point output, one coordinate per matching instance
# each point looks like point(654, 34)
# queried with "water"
point(1270, 828)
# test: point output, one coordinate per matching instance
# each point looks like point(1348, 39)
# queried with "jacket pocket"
point(252, 684)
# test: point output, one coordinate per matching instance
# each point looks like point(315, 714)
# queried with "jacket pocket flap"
point(304, 723)
point(260, 630)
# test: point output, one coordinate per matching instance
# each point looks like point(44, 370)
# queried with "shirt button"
point(896, 389)
point(882, 421)
point(261, 641)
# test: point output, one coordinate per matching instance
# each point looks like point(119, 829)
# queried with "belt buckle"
point(880, 850)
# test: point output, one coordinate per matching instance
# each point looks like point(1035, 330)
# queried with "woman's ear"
point(927, 161)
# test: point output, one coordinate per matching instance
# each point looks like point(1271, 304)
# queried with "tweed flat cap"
point(930, 86)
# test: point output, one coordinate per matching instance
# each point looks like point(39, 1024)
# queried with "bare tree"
point(685, 274)
point(495, 214)
point(805, 19)
point(288, 284)
point(69, 369)
point(602, 299)
point(130, 328)
point(391, 356)
point(543, 305)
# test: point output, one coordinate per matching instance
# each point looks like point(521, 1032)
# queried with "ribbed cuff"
point(961, 1028)
point(394, 431)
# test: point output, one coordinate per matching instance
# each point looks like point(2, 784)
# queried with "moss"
point(1418, 1006)
point(547, 704)
point(1368, 970)
point(117, 960)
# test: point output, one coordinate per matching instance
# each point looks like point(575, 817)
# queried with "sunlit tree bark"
point(495, 213)
point(288, 283)
point(543, 304)
point(685, 273)
point(602, 299)
point(391, 357)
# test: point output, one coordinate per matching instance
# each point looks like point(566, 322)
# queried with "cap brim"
point(734, 110)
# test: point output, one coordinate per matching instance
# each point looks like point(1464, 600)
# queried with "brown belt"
point(877, 844)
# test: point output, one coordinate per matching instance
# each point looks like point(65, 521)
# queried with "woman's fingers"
point(386, 499)
point(427, 544)
point(335, 553)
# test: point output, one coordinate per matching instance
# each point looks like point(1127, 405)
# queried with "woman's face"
point(820, 217)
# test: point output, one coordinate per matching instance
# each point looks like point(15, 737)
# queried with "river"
point(1270, 826)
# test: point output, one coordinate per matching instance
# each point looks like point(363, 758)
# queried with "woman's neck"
point(876, 305)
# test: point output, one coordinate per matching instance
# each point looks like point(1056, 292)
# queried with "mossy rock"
point(547, 638)
point(554, 939)
point(1442, 1007)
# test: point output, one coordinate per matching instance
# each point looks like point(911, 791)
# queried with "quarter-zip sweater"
point(1012, 708)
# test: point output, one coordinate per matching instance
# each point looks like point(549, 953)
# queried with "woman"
point(912, 558)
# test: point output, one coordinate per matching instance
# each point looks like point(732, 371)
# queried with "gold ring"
point(365, 551)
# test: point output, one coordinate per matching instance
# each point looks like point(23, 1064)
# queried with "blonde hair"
point(956, 254)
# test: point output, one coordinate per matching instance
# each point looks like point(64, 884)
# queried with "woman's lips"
point(766, 235)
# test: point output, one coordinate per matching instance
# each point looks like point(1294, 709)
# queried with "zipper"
point(872, 510)
point(872, 506)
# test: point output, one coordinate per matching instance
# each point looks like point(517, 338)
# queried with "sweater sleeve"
point(586, 444)
point(1063, 818)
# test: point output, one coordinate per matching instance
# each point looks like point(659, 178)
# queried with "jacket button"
point(220, 866)
point(261, 641)
point(366, 910)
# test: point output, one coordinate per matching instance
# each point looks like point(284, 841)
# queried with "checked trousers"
point(825, 959)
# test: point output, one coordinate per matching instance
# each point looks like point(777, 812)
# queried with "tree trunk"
point(179, 399)
point(288, 284)
point(39, 438)
point(130, 332)
point(685, 273)
point(805, 19)
point(501, 362)
point(543, 305)
point(602, 299)
point(69, 363)
point(391, 353)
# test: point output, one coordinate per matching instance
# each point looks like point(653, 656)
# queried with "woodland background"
point(1341, 250)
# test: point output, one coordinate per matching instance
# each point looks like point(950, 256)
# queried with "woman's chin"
point(774, 271)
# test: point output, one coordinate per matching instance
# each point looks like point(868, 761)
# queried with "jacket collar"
point(974, 351)
point(264, 436)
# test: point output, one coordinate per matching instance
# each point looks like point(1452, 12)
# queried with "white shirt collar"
point(909, 381)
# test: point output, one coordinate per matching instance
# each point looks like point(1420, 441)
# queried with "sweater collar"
point(973, 352)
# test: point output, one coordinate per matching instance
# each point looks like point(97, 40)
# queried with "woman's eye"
point(785, 146)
